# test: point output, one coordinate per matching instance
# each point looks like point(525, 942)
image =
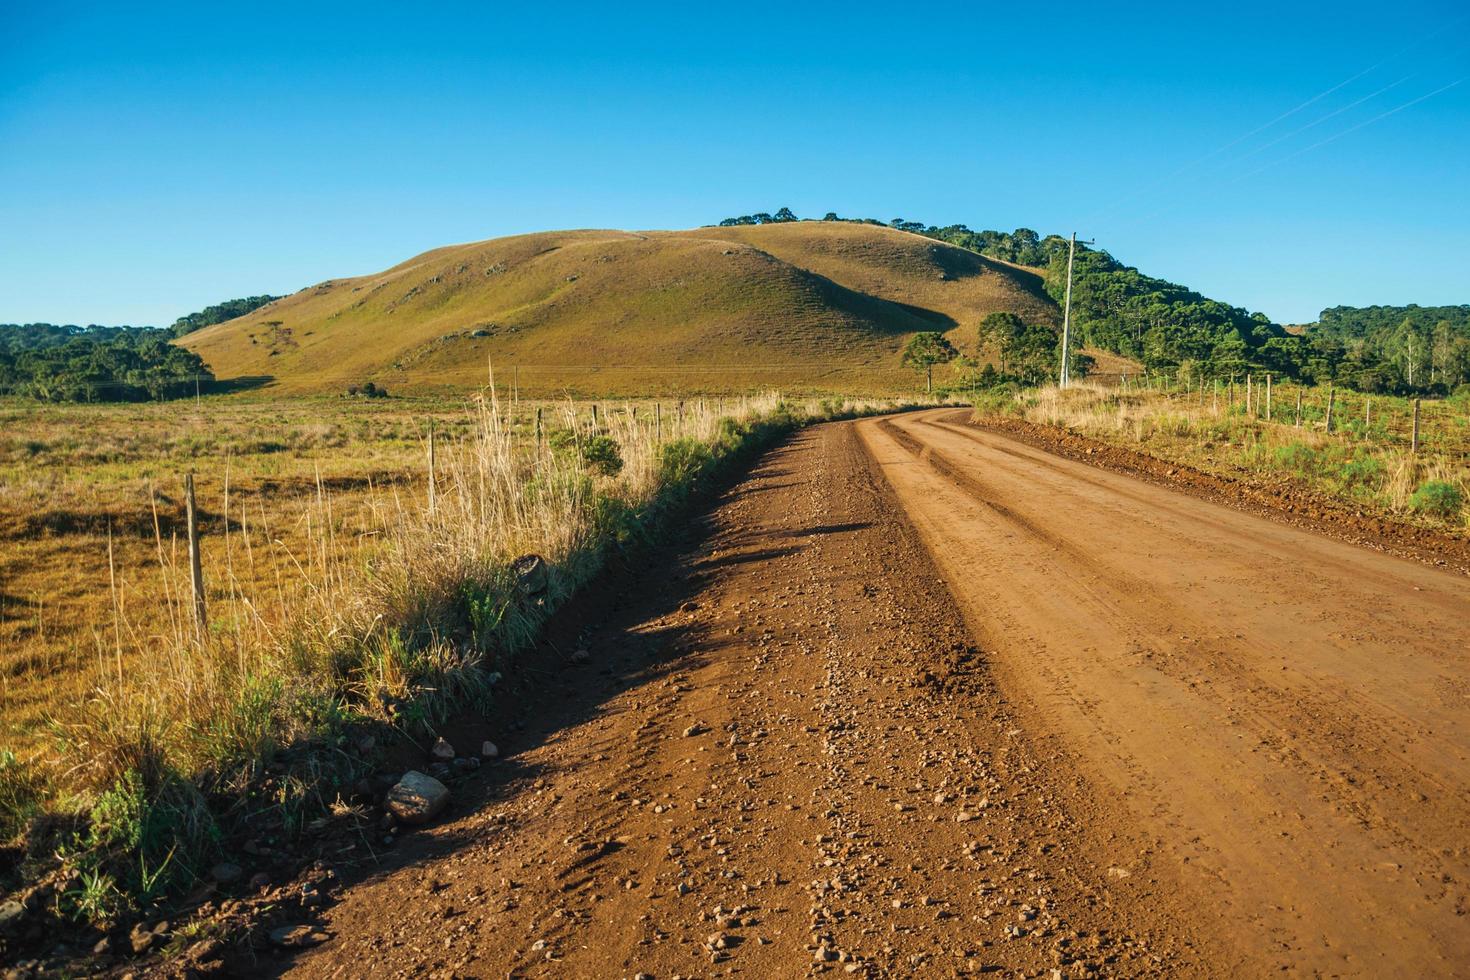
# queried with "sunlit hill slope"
point(807, 306)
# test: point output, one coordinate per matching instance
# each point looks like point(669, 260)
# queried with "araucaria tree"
point(1028, 351)
point(927, 349)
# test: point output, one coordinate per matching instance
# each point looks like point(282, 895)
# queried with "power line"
point(1352, 129)
point(1118, 202)
point(1322, 119)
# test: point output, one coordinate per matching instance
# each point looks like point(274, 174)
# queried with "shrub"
point(598, 453)
point(367, 390)
point(1439, 498)
point(601, 455)
point(1364, 471)
point(1298, 458)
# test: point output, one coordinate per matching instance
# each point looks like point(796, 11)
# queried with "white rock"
point(417, 798)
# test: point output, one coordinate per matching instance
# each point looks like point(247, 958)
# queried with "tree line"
point(95, 363)
point(68, 363)
point(219, 313)
point(1171, 329)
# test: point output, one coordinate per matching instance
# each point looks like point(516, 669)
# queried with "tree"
point(998, 330)
point(783, 215)
point(926, 349)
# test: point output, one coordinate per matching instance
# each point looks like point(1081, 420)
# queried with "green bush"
point(598, 453)
point(601, 455)
point(1438, 498)
point(1362, 472)
point(1298, 458)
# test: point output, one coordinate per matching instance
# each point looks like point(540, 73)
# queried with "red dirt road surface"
point(918, 699)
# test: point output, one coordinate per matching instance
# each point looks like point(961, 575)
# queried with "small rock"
point(11, 914)
point(103, 947)
point(417, 798)
point(489, 750)
point(694, 729)
point(442, 750)
point(823, 955)
point(581, 655)
point(226, 872)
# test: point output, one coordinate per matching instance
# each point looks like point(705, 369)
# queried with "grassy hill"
point(811, 306)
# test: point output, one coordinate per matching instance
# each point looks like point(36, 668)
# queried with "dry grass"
point(1366, 458)
point(814, 307)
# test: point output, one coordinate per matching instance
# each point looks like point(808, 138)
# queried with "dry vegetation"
point(817, 307)
point(1366, 457)
point(340, 593)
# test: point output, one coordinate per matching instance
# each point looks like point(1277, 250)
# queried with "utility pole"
point(1065, 377)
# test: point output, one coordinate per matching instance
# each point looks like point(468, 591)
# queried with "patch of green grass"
point(1438, 498)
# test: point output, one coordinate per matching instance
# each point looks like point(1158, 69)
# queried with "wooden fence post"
point(658, 422)
point(1331, 399)
point(432, 487)
point(1414, 437)
point(1249, 405)
point(196, 566)
point(1268, 398)
point(594, 415)
point(1298, 406)
point(538, 426)
point(1367, 411)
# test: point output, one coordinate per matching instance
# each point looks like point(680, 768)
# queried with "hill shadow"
point(232, 386)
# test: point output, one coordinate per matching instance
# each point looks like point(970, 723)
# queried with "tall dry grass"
point(393, 622)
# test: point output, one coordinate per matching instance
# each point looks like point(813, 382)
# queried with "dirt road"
point(917, 700)
point(1286, 715)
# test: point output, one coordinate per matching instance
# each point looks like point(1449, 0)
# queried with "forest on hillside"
point(1173, 330)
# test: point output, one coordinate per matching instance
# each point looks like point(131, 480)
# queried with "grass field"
point(821, 307)
point(1365, 458)
point(91, 509)
point(92, 515)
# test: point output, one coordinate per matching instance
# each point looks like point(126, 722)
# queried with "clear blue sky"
point(156, 158)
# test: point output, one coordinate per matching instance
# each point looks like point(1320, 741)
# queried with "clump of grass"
point(1439, 498)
